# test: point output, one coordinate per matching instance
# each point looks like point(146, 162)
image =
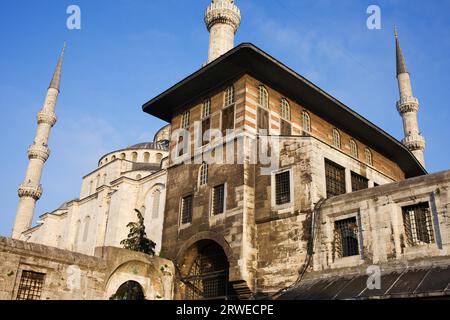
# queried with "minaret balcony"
point(408, 104)
point(38, 152)
point(414, 142)
point(223, 12)
point(47, 117)
point(30, 191)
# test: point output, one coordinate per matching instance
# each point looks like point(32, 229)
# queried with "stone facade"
point(128, 179)
point(73, 276)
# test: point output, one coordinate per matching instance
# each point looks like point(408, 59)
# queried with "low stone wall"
point(73, 276)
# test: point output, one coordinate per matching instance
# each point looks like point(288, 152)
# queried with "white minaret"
point(30, 190)
point(222, 18)
point(408, 106)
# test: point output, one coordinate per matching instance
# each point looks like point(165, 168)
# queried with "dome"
point(147, 145)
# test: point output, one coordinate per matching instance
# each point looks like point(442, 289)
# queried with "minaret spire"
point(408, 107)
point(56, 79)
point(222, 18)
point(30, 191)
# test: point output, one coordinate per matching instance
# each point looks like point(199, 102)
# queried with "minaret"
point(30, 190)
point(408, 106)
point(222, 18)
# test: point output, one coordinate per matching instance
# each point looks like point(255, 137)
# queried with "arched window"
point(285, 110)
point(87, 222)
point(106, 160)
point(336, 138)
point(123, 156)
point(113, 158)
point(353, 148)
point(263, 97)
point(206, 108)
point(98, 180)
point(156, 198)
point(306, 121)
point(229, 96)
point(185, 118)
point(368, 155)
point(134, 156)
point(158, 157)
point(146, 157)
point(203, 175)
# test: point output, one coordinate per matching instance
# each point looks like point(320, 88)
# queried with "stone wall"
point(74, 276)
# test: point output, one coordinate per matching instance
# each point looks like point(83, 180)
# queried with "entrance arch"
point(130, 290)
point(205, 272)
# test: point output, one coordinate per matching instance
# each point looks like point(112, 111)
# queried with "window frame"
point(185, 119)
point(203, 175)
point(181, 214)
point(368, 156)
point(338, 230)
point(24, 292)
point(336, 138)
point(212, 203)
point(306, 117)
point(354, 152)
point(229, 99)
point(412, 236)
point(286, 205)
point(263, 97)
point(342, 187)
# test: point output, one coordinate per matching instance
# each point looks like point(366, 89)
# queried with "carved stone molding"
point(31, 191)
point(38, 152)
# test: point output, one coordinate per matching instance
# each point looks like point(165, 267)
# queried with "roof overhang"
point(248, 59)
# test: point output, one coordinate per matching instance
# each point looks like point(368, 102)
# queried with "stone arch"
point(205, 270)
point(206, 235)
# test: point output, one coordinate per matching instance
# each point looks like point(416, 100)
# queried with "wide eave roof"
point(248, 59)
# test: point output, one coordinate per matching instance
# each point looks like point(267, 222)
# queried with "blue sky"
point(128, 51)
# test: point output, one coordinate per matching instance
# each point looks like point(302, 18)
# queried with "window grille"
point(346, 238)
point(186, 209)
point(359, 182)
point(418, 224)
point(306, 121)
point(218, 200)
point(30, 286)
point(335, 179)
point(282, 188)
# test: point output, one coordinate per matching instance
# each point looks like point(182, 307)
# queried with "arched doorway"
point(206, 272)
point(130, 290)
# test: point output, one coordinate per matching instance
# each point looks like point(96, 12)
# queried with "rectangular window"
point(418, 224)
point(186, 209)
point(282, 188)
point(285, 128)
point(346, 238)
point(227, 119)
point(335, 179)
point(359, 182)
point(263, 121)
point(218, 200)
point(30, 286)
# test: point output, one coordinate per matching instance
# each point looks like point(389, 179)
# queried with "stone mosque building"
point(342, 199)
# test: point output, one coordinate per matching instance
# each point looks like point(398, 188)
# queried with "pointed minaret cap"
point(401, 63)
point(56, 80)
